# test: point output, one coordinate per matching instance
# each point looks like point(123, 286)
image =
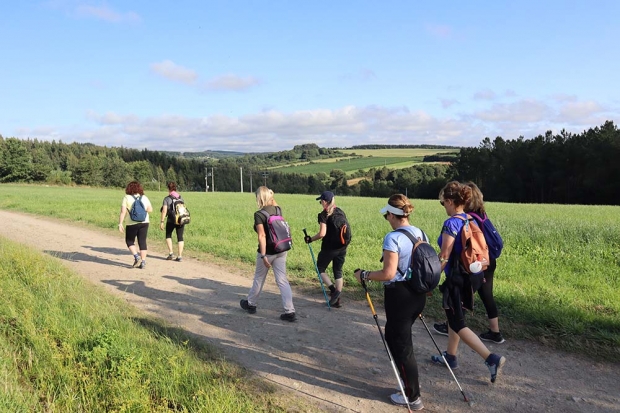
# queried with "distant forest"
point(564, 168)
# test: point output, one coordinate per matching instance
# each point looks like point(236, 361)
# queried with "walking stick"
point(444, 359)
point(317, 271)
point(387, 349)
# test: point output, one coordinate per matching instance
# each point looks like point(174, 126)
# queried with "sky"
point(261, 76)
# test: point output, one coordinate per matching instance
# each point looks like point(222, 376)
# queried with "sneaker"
point(335, 296)
point(441, 328)
point(337, 304)
point(399, 400)
point(495, 362)
point(143, 265)
point(137, 262)
point(492, 336)
point(178, 259)
point(288, 317)
point(170, 257)
point(251, 309)
point(450, 359)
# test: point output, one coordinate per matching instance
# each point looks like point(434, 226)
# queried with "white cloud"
point(439, 30)
point(175, 72)
point(231, 82)
point(446, 103)
point(105, 13)
point(485, 94)
point(527, 110)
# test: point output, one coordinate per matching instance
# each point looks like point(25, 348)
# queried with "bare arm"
point(121, 218)
point(447, 243)
point(390, 267)
point(321, 233)
point(164, 211)
point(262, 244)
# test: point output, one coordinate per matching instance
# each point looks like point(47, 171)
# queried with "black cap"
point(326, 196)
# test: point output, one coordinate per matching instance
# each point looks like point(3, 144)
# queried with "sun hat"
point(392, 209)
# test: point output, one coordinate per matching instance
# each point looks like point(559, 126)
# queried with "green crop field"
point(402, 153)
point(350, 165)
point(371, 158)
point(558, 279)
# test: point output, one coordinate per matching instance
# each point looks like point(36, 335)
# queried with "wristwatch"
point(262, 256)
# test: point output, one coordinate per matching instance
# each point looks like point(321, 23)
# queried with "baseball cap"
point(326, 196)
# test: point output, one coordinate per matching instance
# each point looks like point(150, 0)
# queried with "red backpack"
point(474, 245)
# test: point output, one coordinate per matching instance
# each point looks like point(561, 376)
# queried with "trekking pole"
point(387, 349)
point(317, 271)
point(465, 399)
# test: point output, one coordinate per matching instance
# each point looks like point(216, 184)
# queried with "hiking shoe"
point(495, 362)
point(170, 257)
point(399, 400)
point(441, 328)
point(335, 296)
point(178, 259)
point(337, 304)
point(288, 317)
point(251, 309)
point(492, 336)
point(143, 265)
point(137, 262)
point(450, 359)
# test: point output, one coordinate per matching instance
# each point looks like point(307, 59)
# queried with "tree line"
point(563, 168)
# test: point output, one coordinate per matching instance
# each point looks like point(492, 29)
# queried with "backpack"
point(342, 236)
point(424, 269)
point(138, 211)
point(494, 240)
point(474, 244)
point(279, 234)
point(179, 212)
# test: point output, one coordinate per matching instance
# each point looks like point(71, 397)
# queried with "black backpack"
point(341, 237)
point(424, 269)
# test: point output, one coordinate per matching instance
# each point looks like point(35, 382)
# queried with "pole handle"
point(305, 232)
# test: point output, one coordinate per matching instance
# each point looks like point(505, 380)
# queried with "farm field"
point(372, 158)
point(557, 280)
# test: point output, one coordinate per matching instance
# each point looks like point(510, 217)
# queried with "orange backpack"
point(474, 245)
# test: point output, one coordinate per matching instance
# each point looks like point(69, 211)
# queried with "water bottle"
point(475, 267)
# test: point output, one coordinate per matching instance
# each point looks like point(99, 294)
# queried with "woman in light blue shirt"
point(402, 304)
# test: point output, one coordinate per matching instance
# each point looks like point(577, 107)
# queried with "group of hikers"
point(402, 304)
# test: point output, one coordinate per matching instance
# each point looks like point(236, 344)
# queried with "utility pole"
point(251, 190)
point(265, 175)
point(241, 177)
point(212, 180)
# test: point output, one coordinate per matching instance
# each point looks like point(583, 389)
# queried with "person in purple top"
point(457, 289)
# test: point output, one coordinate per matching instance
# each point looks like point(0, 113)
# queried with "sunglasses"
point(385, 215)
point(441, 202)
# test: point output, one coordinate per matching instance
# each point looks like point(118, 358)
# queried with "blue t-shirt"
point(452, 227)
point(399, 243)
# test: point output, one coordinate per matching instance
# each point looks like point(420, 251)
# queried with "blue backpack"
point(492, 237)
point(138, 211)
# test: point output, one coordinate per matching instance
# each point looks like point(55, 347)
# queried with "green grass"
point(350, 165)
point(403, 153)
point(557, 282)
point(67, 346)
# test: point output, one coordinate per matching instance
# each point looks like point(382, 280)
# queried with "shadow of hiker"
point(80, 256)
point(108, 250)
point(217, 306)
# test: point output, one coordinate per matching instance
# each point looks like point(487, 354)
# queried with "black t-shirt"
point(261, 219)
point(331, 239)
point(168, 202)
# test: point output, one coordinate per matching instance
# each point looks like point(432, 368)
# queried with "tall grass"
point(558, 279)
point(66, 347)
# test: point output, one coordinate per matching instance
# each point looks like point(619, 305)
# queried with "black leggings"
point(336, 257)
point(486, 291)
point(171, 226)
point(137, 230)
point(402, 308)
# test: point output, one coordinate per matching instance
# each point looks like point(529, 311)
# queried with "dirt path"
point(334, 358)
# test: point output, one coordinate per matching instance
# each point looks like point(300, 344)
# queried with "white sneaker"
point(399, 400)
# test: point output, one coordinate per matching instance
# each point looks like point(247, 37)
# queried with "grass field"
point(67, 346)
point(558, 279)
point(371, 158)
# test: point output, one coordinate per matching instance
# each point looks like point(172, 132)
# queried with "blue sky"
point(257, 76)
